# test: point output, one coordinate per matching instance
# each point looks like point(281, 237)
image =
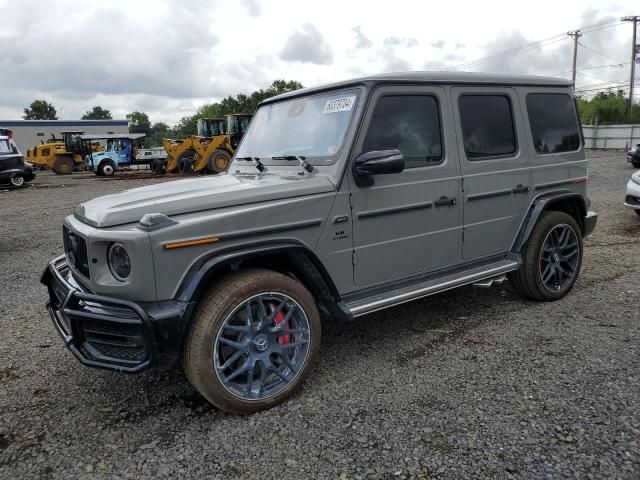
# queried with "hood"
point(197, 194)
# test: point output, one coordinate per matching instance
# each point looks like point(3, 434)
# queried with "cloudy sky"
point(169, 57)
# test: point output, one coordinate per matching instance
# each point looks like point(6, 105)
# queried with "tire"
point(185, 162)
point(63, 165)
point(550, 274)
point(636, 164)
point(226, 302)
point(158, 167)
point(106, 168)
point(637, 212)
point(218, 161)
point(17, 181)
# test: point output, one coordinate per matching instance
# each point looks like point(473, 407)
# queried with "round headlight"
point(119, 262)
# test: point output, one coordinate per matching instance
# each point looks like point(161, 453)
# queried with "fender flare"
point(201, 273)
point(539, 205)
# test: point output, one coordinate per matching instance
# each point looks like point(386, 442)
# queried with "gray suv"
point(343, 199)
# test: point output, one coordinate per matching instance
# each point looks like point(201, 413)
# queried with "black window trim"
point(581, 143)
point(436, 98)
point(514, 126)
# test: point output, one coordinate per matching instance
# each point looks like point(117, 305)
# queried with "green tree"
point(97, 113)
point(241, 103)
point(159, 131)
point(40, 110)
point(609, 108)
point(139, 122)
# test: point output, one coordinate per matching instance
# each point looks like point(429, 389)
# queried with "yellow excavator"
point(62, 155)
point(211, 149)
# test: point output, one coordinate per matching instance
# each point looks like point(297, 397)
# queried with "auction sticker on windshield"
point(343, 104)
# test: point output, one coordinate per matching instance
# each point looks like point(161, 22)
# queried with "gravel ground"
point(468, 384)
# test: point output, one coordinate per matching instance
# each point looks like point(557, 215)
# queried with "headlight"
point(635, 178)
point(119, 262)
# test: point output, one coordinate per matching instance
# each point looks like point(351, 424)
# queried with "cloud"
point(362, 41)
point(307, 46)
point(458, 46)
point(438, 44)
point(400, 42)
point(253, 7)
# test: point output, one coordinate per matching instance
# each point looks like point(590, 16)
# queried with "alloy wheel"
point(559, 257)
point(262, 346)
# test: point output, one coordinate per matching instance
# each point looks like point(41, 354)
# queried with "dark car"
point(633, 155)
point(13, 169)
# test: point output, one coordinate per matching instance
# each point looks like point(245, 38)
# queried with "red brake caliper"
point(279, 318)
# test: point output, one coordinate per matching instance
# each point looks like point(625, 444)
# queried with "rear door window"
point(5, 147)
point(553, 122)
point(487, 126)
point(409, 123)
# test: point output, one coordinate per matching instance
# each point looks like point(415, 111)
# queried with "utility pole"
point(634, 49)
point(575, 35)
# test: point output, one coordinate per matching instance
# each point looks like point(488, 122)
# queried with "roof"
point(442, 78)
point(107, 136)
point(63, 123)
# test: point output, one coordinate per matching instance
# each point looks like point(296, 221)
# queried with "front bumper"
point(632, 195)
point(105, 332)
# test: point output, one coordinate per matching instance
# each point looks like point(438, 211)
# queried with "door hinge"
point(462, 184)
point(353, 257)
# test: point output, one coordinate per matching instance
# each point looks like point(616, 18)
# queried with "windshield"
point(313, 127)
point(5, 148)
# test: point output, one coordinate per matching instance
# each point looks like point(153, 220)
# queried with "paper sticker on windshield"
point(343, 104)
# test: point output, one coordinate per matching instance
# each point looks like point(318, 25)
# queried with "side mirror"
point(378, 162)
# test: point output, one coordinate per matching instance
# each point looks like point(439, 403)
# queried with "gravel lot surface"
point(468, 384)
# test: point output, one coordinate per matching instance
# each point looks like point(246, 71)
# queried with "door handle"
point(445, 201)
point(520, 189)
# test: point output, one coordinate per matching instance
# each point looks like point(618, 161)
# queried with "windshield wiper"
point(299, 158)
point(258, 164)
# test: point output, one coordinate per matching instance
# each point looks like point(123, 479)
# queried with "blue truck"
point(120, 153)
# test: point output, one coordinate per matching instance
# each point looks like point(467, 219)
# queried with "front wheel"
point(106, 168)
point(551, 259)
point(17, 181)
point(218, 161)
point(253, 341)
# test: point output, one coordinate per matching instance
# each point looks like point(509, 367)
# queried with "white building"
point(29, 133)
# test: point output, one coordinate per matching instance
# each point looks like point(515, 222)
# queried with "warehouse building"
point(29, 133)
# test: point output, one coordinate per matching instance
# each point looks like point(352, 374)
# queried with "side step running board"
point(484, 275)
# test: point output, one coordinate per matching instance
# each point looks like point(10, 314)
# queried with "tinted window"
point(554, 126)
point(487, 126)
point(410, 123)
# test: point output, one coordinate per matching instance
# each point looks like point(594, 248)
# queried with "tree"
point(241, 103)
point(159, 131)
point(609, 108)
point(97, 113)
point(139, 122)
point(40, 110)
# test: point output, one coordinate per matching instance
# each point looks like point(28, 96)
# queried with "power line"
point(599, 53)
point(535, 45)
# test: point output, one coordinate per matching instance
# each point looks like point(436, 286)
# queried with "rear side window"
point(553, 121)
point(487, 126)
point(409, 123)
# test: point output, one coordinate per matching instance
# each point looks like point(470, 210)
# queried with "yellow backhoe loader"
point(211, 149)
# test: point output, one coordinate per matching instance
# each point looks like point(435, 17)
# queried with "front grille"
point(117, 341)
point(75, 248)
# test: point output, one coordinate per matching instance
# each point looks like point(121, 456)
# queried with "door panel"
point(496, 177)
point(402, 225)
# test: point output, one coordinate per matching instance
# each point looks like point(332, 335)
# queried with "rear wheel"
point(63, 165)
point(551, 258)
point(157, 167)
point(185, 162)
point(17, 181)
point(106, 168)
point(218, 161)
point(253, 341)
